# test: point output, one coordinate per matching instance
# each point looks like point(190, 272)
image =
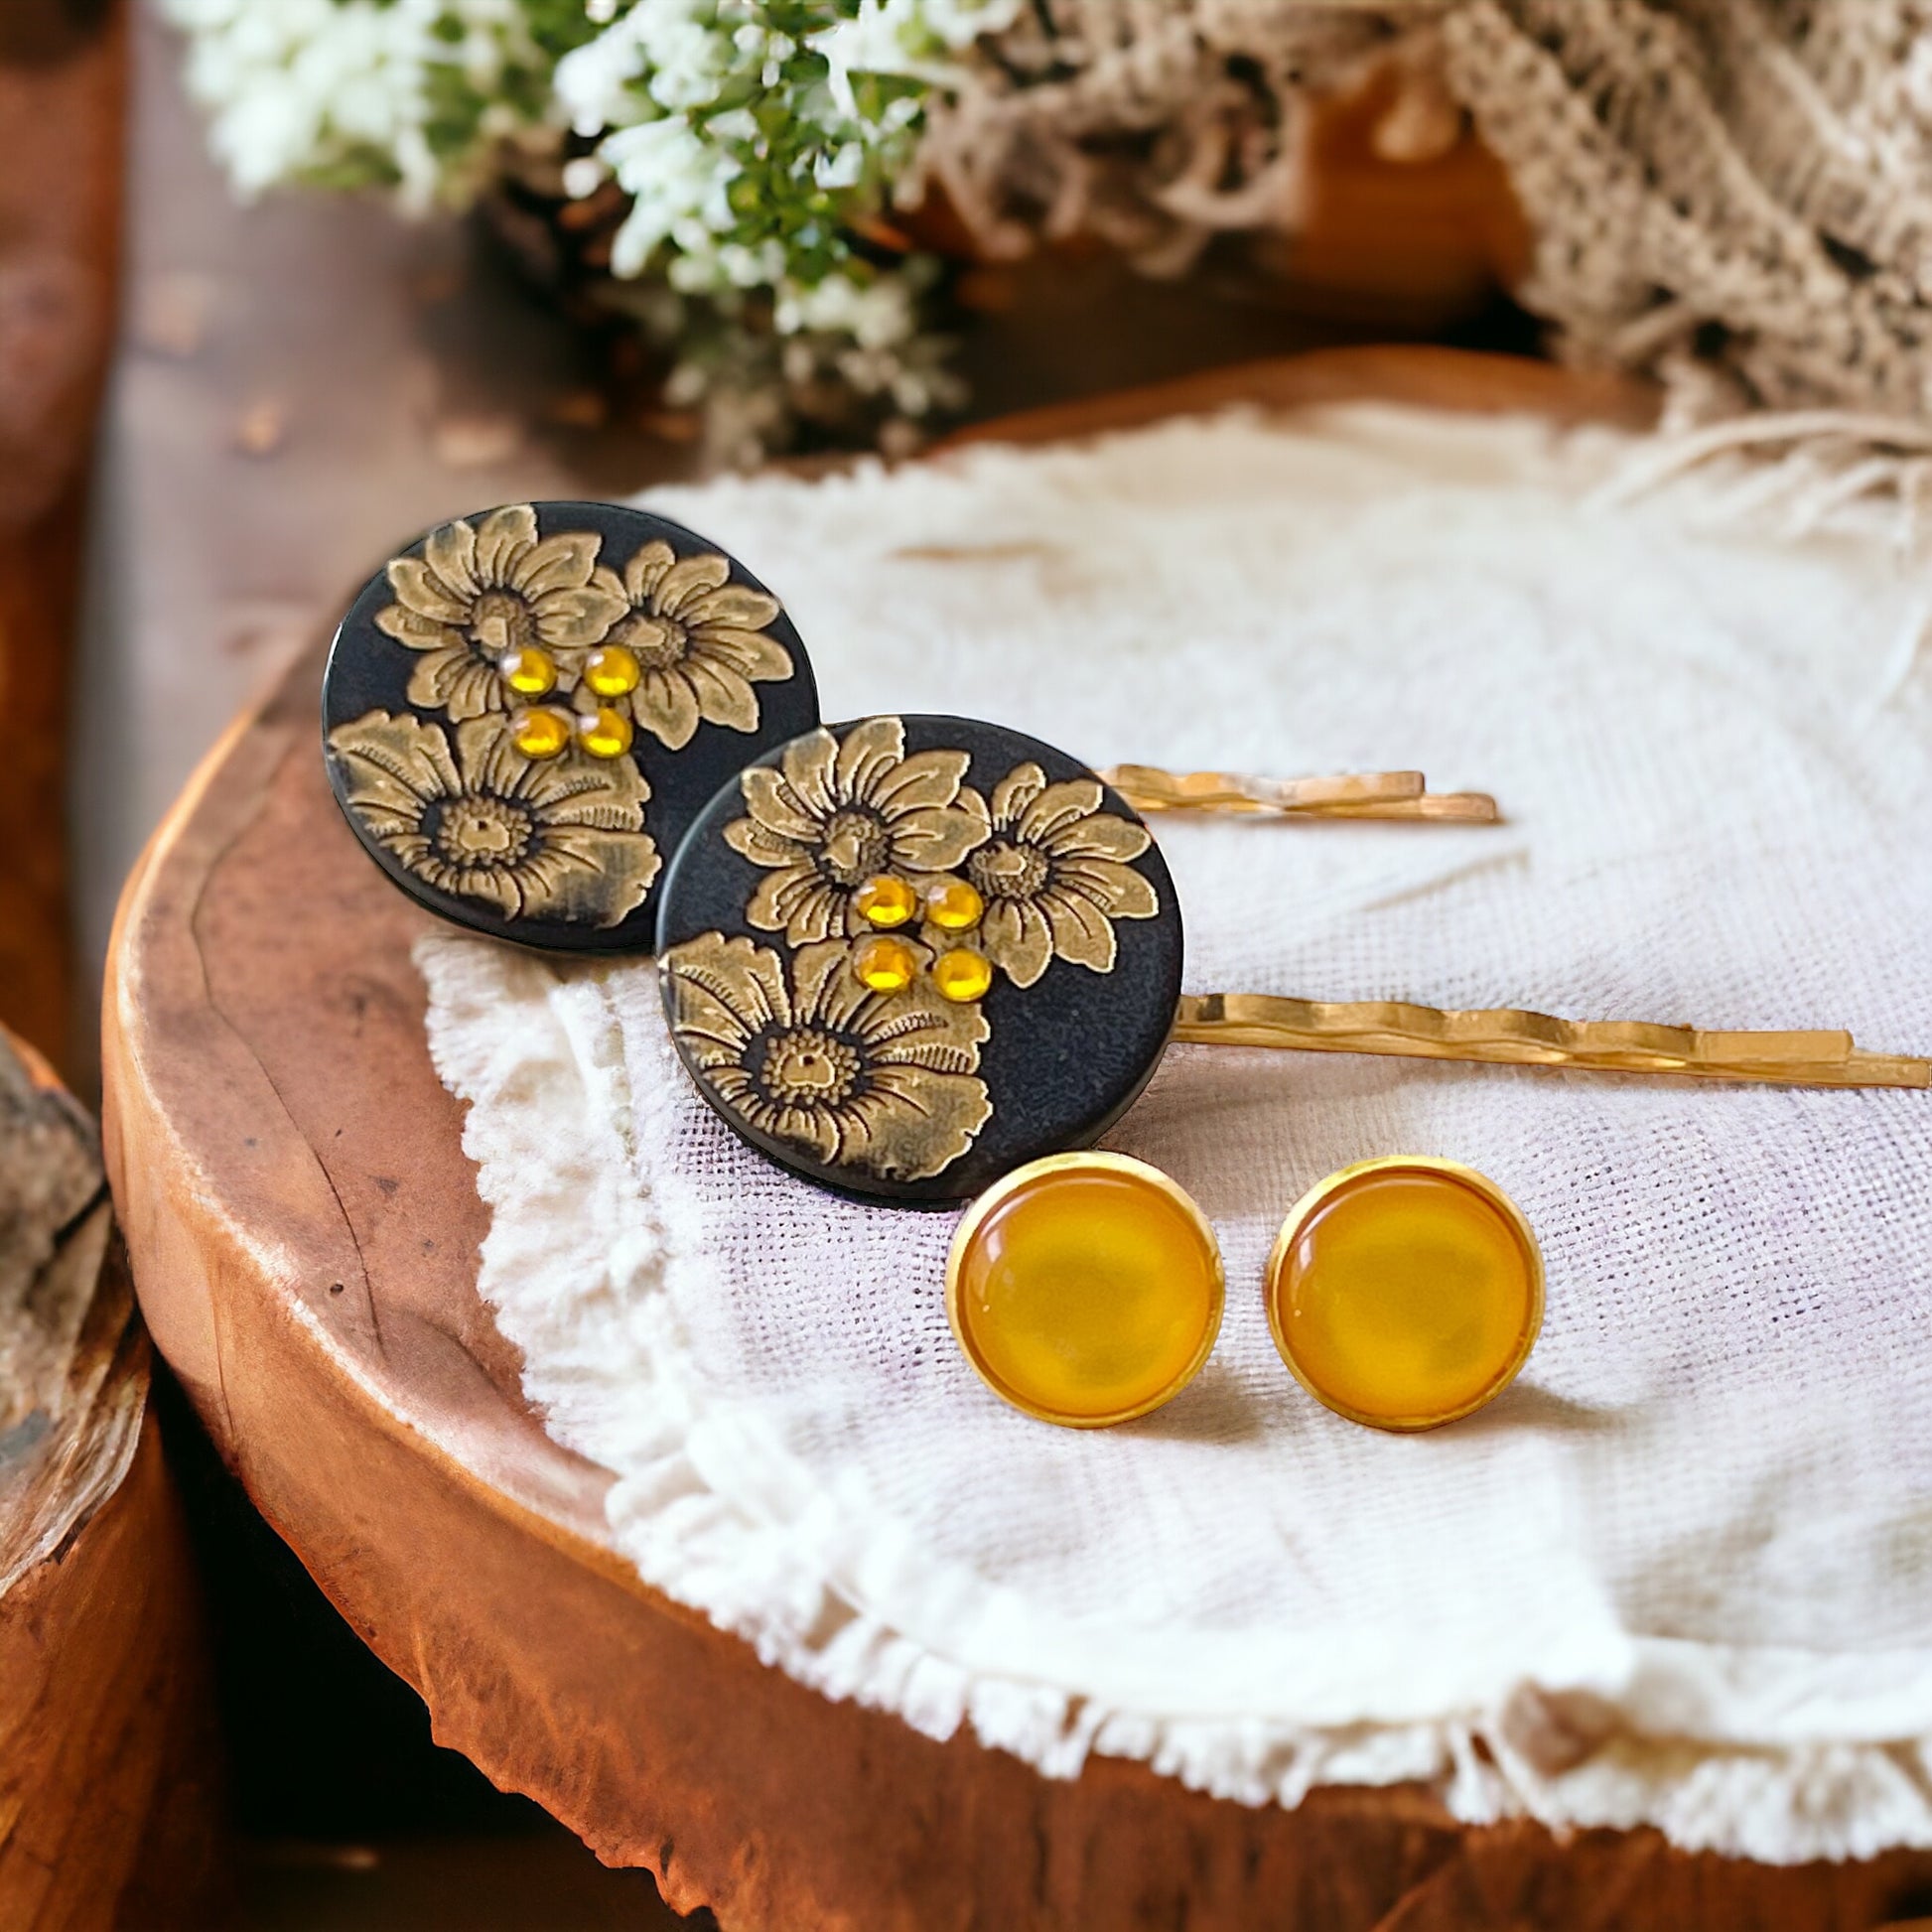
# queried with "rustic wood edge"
point(63, 100)
point(729, 1739)
point(1424, 375)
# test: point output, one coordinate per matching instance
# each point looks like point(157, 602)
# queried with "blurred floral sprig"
point(752, 138)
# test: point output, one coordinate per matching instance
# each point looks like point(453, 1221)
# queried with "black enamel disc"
point(525, 711)
point(905, 955)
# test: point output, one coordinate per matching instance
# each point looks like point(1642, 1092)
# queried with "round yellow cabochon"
point(1085, 1289)
point(1405, 1293)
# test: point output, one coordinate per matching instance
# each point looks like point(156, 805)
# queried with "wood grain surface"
point(303, 1230)
point(107, 1795)
point(62, 93)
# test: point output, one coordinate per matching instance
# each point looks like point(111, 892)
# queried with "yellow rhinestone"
point(612, 671)
point(529, 673)
point(540, 734)
point(887, 965)
point(955, 907)
point(606, 736)
point(962, 974)
point(885, 901)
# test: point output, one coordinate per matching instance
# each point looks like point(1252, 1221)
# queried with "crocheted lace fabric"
point(1682, 1572)
point(1735, 195)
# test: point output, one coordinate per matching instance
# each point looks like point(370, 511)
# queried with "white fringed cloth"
point(1682, 1572)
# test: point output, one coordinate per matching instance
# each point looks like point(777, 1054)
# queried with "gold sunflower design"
point(561, 839)
point(1053, 873)
point(699, 641)
point(481, 593)
point(830, 815)
point(802, 1051)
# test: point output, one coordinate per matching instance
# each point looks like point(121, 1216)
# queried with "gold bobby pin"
point(1511, 1037)
point(1371, 794)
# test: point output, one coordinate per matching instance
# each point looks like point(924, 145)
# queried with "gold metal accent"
point(1083, 1161)
point(1506, 1036)
point(1478, 1184)
point(1369, 794)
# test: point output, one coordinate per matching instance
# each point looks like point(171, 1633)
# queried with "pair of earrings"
point(1086, 1288)
point(902, 958)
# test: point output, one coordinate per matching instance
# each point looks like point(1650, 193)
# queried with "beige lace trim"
point(1734, 196)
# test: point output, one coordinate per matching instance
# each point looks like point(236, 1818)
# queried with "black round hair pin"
point(525, 711)
point(905, 955)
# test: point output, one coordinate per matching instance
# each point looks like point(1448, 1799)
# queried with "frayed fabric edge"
point(1565, 1758)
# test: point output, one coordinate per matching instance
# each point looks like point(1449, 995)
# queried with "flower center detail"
point(807, 1067)
point(500, 622)
point(1005, 868)
point(478, 830)
point(856, 845)
point(658, 644)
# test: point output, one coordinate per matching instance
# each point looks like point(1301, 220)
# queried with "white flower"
point(681, 184)
point(670, 45)
point(916, 39)
point(299, 87)
point(673, 96)
point(876, 315)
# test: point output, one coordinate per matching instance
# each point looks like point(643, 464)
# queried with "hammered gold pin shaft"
point(1510, 1037)
point(1367, 794)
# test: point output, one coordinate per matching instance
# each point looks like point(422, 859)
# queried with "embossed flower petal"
point(869, 753)
point(397, 764)
point(477, 593)
point(718, 694)
point(1016, 791)
point(561, 840)
point(927, 779)
point(777, 832)
point(808, 764)
point(456, 680)
point(667, 707)
point(1082, 933)
point(1103, 836)
point(421, 593)
point(1058, 809)
point(1116, 890)
point(731, 607)
point(806, 1054)
point(688, 625)
point(1015, 936)
point(1055, 877)
point(912, 1125)
point(935, 839)
point(450, 558)
point(726, 991)
point(687, 579)
point(798, 903)
point(560, 563)
point(502, 538)
point(752, 653)
point(646, 571)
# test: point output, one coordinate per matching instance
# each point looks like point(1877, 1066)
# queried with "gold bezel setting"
point(1085, 1162)
point(1464, 1176)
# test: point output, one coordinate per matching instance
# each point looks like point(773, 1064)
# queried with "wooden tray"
point(304, 1228)
point(109, 1797)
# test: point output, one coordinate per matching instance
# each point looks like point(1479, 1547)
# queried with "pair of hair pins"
point(902, 958)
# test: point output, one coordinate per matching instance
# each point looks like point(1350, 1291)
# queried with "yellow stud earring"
point(1085, 1289)
point(1405, 1292)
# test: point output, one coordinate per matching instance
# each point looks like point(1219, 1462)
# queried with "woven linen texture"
point(1682, 1572)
